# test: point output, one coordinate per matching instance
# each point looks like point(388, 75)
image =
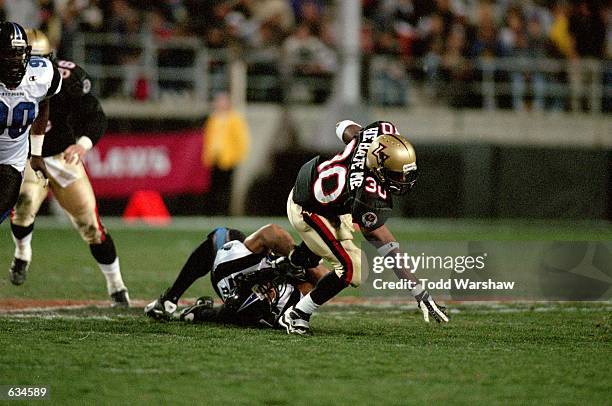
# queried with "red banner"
point(169, 163)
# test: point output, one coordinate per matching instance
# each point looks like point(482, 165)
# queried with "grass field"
point(516, 353)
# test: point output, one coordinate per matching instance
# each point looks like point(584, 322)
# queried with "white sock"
point(307, 305)
point(112, 273)
point(23, 247)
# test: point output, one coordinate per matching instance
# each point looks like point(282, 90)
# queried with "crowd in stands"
point(443, 44)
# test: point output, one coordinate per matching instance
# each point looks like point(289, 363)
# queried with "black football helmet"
point(14, 54)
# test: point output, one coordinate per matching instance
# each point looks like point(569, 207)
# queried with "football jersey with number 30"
point(344, 185)
point(19, 108)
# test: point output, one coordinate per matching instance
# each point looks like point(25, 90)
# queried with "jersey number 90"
point(23, 115)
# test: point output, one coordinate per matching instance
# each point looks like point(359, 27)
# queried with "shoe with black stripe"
point(160, 309)
point(295, 321)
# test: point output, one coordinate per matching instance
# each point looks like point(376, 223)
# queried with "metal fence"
point(142, 67)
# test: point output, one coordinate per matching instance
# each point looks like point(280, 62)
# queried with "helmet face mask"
point(398, 183)
point(14, 54)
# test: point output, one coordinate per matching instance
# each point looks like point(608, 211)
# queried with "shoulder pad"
point(76, 79)
point(43, 74)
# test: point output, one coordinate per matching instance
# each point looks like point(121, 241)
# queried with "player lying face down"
point(253, 276)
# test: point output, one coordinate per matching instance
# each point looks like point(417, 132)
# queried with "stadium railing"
point(145, 68)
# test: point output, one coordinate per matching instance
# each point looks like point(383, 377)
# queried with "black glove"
point(286, 271)
point(303, 257)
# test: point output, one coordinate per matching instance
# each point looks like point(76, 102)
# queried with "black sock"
point(200, 262)
point(20, 232)
point(105, 252)
point(327, 287)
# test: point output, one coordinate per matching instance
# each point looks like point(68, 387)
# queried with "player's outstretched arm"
point(90, 125)
point(270, 237)
point(387, 245)
point(346, 130)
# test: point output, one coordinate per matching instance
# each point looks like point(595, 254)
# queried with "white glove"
point(429, 308)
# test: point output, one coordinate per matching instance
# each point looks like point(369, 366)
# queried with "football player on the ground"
point(76, 123)
point(26, 83)
point(355, 186)
point(255, 285)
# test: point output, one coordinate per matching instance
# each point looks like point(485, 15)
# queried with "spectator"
point(225, 146)
point(457, 69)
point(389, 81)
point(24, 12)
point(306, 56)
point(523, 45)
point(277, 11)
point(311, 14)
point(431, 47)
point(589, 32)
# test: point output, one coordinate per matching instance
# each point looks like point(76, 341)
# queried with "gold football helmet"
point(39, 42)
point(392, 159)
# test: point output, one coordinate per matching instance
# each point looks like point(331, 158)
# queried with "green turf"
point(62, 266)
point(358, 356)
point(551, 354)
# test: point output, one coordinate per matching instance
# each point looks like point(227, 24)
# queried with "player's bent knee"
point(90, 233)
point(23, 214)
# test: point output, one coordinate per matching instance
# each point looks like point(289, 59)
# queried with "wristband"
point(85, 142)
point(36, 144)
point(388, 248)
point(342, 125)
point(418, 289)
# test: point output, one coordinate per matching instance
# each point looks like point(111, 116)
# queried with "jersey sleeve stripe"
point(56, 83)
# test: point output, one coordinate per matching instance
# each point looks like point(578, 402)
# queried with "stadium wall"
point(472, 164)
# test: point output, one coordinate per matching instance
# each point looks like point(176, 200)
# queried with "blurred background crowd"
point(437, 48)
point(507, 101)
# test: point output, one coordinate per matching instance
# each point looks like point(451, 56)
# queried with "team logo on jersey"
point(380, 154)
point(32, 78)
point(369, 219)
point(86, 86)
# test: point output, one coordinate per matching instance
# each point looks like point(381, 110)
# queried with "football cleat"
point(18, 271)
point(295, 322)
point(198, 311)
point(430, 308)
point(120, 298)
point(160, 309)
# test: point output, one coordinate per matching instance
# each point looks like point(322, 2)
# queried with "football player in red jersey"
point(355, 186)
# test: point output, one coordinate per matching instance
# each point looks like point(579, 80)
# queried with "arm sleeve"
point(370, 214)
point(90, 120)
point(56, 83)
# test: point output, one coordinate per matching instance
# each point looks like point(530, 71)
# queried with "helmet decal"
point(380, 154)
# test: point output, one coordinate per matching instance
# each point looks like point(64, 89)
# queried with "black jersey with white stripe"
point(344, 185)
point(74, 112)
